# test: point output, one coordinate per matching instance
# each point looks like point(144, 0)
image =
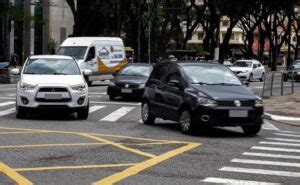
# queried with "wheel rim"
point(185, 121)
point(145, 111)
point(251, 77)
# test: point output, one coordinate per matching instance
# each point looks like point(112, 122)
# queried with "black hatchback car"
point(129, 81)
point(292, 72)
point(195, 94)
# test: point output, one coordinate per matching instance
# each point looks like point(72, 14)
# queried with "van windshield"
point(77, 52)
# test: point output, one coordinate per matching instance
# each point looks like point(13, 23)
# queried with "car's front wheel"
point(186, 123)
point(20, 112)
point(251, 130)
point(83, 113)
point(250, 77)
point(147, 117)
point(262, 78)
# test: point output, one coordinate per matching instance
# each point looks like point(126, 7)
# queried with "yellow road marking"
point(34, 132)
point(72, 167)
point(14, 175)
point(144, 165)
point(118, 145)
point(49, 145)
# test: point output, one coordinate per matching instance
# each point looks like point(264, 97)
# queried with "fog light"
point(24, 100)
point(80, 100)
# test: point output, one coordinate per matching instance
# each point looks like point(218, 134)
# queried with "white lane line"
point(289, 135)
point(278, 143)
point(7, 98)
point(97, 93)
point(269, 126)
point(261, 162)
point(8, 111)
point(291, 132)
point(114, 116)
point(261, 172)
point(7, 103)
point(115, 103)
point(275, 149)
point(271, 155)
point(283, 139)
point(95, 96)
point(140, 121)
point(282, 118)
point(95, 108)
point(236, 181)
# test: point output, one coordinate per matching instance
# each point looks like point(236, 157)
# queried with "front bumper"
point(243, 75)
point(117, 91)
point(219, 116)
point(36, 100)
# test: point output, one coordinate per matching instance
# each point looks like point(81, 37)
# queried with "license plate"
point(238, 113)
point(126, 90)
point(53, 96)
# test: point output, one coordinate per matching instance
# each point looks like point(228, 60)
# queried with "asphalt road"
point(113, 146)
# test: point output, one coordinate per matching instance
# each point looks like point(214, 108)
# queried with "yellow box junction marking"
point(134, 168)
point(14, 175)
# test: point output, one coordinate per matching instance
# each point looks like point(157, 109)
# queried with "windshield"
point(297, 66)
point(211, 75)
point(242, 64)
point(51, 67)
point(136, 71)
point(77, 52)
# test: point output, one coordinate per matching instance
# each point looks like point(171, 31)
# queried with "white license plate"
point(53, 96)
point(126, 90)
point(238, 113)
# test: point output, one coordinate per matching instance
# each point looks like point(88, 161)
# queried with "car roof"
point(139, 64)
point(87, 41)
point(50, 57)
point(247, 60)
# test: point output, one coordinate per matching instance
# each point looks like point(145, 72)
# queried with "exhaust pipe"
point(205, 118)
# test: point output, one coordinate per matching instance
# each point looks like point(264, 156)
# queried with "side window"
point(91, 54)
point(174, 74)
point(254, 65)
point(159, 72)
point(259, 65)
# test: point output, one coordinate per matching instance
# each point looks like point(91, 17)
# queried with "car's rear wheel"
point(20, 112)
point(251, 130)
point(186, 123)
point(250, 78)
point(262, 78)
point(147, 117)
point(112, 98)
point(285, 77)
point(83, 113)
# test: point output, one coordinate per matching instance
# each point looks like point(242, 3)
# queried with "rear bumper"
point(117, 91)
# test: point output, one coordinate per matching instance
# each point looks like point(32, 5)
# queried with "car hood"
point(219, 92)
point(239, 68)
point(131, 79)
point(52, 79)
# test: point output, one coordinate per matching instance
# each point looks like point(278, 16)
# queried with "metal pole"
point(272, 80)
point(139, 31)
point(6, 33)
point(293, 79)
point(264, 86)
point(217, 49)
point(281, 83)
point(149, 31)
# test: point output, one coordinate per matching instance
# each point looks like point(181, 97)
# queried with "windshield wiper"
point(201, 83)
point(59, 73)
point(30, 73)
point(227, 84)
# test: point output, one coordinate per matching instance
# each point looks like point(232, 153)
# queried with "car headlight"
point(246, 71)
point(111, 83)
point(27, 87)
point(142, 86)
point(206, 102)
point(259, 103)
point(80, 87)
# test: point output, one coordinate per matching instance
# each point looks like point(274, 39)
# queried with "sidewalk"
point(284, 109)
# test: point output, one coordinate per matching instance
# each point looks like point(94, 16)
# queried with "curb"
point(283, 119)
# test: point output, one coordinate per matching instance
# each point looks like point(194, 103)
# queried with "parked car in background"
point(249, 69)
point(296, 62)
point(227, 63)
point(52, 82)
point(200, 94)
point(292, 72)
point(129, 81)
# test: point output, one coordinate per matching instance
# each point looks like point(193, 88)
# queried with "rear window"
point(159, 72)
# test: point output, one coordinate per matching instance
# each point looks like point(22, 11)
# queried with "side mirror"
point(89, 57)
point(115, 73)
point(254, 66)
point(15, 71)
point(175, 83)
point(87, 72)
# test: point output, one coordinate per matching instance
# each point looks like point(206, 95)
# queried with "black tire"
point(250, 78)
point(285, 78)
point(112, 98)
point(263, 77)
point(21, 112)
point(147, 117)
point(89, 83)
point(251, 130)
point(186, 122)
point(83, 114)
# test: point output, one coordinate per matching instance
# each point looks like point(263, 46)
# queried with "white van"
point(102, 55)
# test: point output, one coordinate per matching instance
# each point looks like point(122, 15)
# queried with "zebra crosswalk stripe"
point(7, 103)
point(275, 149)
point(283, 139)
point(114, 116)
point(289, 135)
point(271, 155)
point(279, 143)
point(262, 162)
point(8, 111)
point(235, 181)
point(261, 171)
point(95, 108)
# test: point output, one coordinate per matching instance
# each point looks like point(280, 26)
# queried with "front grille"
point(53, 106)
point(53, 100)
point(53, 89)
point(247, 103)
point(129, 85)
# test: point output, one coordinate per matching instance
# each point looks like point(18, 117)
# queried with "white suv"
point(52, 82)
point(249, 69)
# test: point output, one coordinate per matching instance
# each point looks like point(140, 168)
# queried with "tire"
point(285, 78)
point(186, 124)
point(263, 77)
point(250, 78)
point(147, 117)
point(20, 112)
point(83, 114)
point(251, 130)
point(89, 83)
point(112, 98)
